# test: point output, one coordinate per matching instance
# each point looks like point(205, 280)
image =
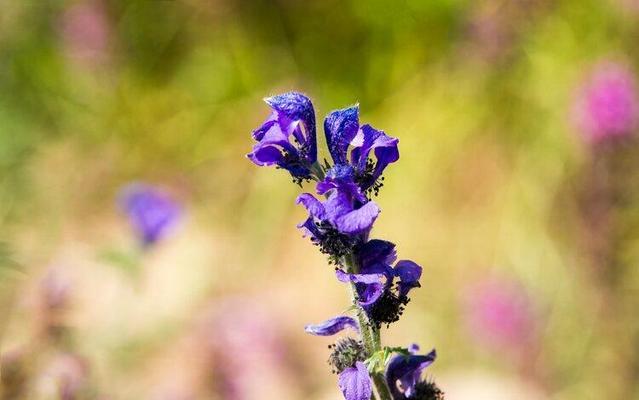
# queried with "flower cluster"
point(341, 215)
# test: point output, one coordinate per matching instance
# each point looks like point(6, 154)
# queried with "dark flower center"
point(427, 390)
point(387, 309)
point(334, 243)
point(296, 166)
point(345, 353)
point(366, 179)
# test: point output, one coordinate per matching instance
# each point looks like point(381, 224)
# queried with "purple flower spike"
point(355, 382)
point(151, 211)
point(332, 326)
point(403, 373)
point(287, 138)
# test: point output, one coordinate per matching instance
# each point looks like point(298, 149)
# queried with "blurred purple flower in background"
point(152, 212)
point(607, 104)
point(85, 32)
point(70, 374)
point(500, 314)
point(246, 349)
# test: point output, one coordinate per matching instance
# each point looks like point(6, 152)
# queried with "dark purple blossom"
point(341, 221)
point(287, 138)
point(403, 372)
point(343, 132)
point(151, 211)
point(332, 326)
point(375, 280)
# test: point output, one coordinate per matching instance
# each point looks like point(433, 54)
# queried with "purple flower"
point(355, 382)
point(151, 211)
point(377, 293)
point(403, 373)
point(332, 326)
point(287, 138)
point(607, 104)
point(343, 131)
point(341, 221)
point(347, 357)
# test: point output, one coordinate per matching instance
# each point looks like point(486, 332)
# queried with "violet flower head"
point(403, 376)
point(287, 139)
point(380, 296)
point(344, 133)
point(500, 314)
point(607, 105)
point(341, 221)
point(152, 212)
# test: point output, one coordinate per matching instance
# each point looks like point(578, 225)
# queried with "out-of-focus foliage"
point(497, 188)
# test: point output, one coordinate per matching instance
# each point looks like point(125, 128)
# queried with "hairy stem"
point(370, 337)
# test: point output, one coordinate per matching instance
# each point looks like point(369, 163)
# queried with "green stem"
point(317, 169)
point(370, 337)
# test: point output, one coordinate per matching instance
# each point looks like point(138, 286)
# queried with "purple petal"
point(376, 251)
point(338, 204)
point(358, 221)
point(384, 146)
point(409, 274)
point(404, 372)
point(340, 126)
point(355, 382)
point(340, 176)
point(314, 207)
point(265, 155)
point(258, 134)
point(292, 107)
point(309, 228)
point(332, 326)
point(370, 287)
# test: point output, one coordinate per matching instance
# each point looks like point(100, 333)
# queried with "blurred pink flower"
point(70, 372)
point(500, 313)
point(55, 290)
point(53, 298)
point(607, 104)
point(246, 345)
point(85, 32)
